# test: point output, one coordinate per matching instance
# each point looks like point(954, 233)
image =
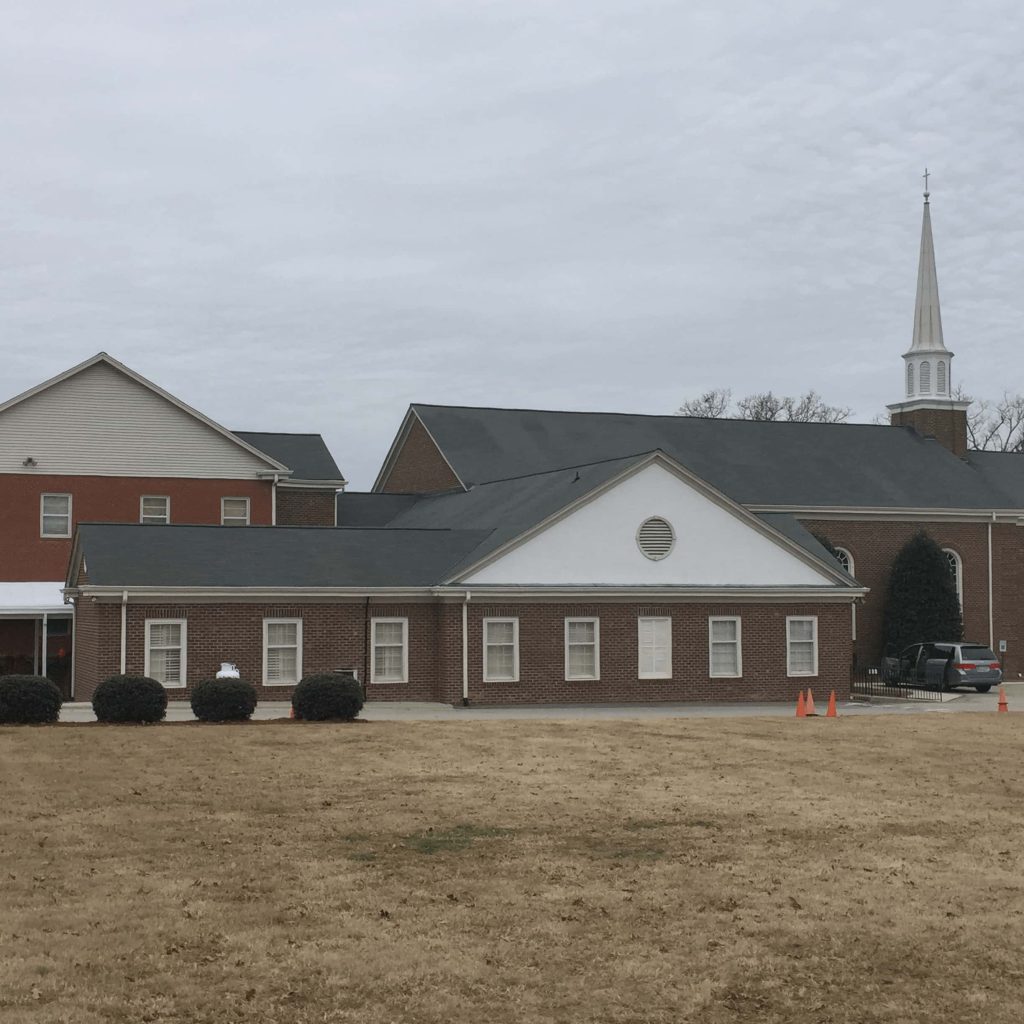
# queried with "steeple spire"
point(927, 317)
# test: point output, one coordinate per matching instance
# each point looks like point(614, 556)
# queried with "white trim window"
point(155, 509)
point(956, 570)
point(582, 649)
point(390, 660)
point(501, 650)
point(166, 658)
point(725, 647)
point(282, 652)
point(55, 515)
point(654, 647)
point(234, 511)
point(802, 645)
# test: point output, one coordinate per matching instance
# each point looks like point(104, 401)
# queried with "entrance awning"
point(32, 600)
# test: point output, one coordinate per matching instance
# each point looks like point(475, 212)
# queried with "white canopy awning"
point(32, 600)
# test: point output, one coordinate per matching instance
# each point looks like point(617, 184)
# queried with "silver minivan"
point(944, 665)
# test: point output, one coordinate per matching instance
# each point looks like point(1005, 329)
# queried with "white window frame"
point(597, 648)
point(152, 519)
point(236, 520)
point(958, 574)
point(640, 673)
point(374, 645)
point(52, 515)
point(485, 644)
point(738, 642)
point(789, 641)
point(267, 623)
point(147, 669)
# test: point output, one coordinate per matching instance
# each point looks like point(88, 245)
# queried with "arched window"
point(940, 377)
point(910, 379)
point(956, 569)
point(845, 559)
point(926, 378)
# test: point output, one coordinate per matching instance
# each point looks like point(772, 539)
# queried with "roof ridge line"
point(575, 465)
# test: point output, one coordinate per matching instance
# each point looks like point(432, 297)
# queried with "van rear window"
point(977, 654)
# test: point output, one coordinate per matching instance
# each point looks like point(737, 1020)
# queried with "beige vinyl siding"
point(102, 423)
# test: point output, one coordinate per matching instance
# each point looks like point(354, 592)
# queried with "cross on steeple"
point(926, 192)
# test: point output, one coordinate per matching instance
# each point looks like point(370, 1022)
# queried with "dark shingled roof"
point(269, 556)
point(305, 455)
point(755, 463)
point(1002, 470)
point(356, 508)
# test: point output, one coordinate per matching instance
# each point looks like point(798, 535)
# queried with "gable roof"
point(306, 455)
point(108, 360)
point(757, 463)
point(1002, 470)
point(269, 557)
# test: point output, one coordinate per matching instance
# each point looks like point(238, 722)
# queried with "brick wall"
point(947, 426)
point(303, 507)
point(334, 636)
point(419, 467)
point(874, 546)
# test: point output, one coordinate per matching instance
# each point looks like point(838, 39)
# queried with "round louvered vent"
point(655, 537)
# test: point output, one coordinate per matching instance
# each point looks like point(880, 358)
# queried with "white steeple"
point(928, 360)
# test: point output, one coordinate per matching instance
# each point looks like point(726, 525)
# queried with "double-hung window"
point(55, 515)
point(154, 509)
point(234, 511)
point(582, 649)
point(654, 648)
point(390, 662)
point(282, 652)
point(802, 645)
point(166, 651)
point(501, 650)
point(725, 653)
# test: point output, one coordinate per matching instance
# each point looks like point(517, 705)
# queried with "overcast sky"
point(305, 215)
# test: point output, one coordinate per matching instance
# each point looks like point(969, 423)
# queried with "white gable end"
point(100, 422)
point(597, 544)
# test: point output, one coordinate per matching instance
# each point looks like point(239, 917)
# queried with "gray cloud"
point(305, 216)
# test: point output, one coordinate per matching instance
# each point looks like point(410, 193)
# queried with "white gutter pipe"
point(465, 650)
point(991, 627)
point(46, 637)
point(124, 630)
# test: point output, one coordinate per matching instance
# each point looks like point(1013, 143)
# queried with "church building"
point(531, 556)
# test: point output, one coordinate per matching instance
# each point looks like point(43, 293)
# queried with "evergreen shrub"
point(224, 700)
point(28, 700)
point(328, 696)
point(130, 699)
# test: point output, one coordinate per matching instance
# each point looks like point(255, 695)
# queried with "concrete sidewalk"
point(409, 711)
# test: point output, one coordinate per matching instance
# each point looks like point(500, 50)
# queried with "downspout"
point(465, 650)
point(273, 502)
point(74, 644)
point(124, 629)
point(46, 640)
point(366, 647)
point(991, 628)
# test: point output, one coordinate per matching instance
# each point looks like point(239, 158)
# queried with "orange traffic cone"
point(801, 712)
point(810, 704)
point(1003, 706)
point(831, 713)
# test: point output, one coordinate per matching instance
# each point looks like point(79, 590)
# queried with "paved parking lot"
point(381, 711)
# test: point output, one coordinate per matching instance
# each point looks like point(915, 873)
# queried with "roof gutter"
point(465, 649)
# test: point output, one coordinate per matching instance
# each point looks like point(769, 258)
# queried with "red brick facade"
point(300, 506)
point(335, 636)
point(419, 467)
point(947, 426)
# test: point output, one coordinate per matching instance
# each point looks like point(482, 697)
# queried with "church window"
point(926, 378)
point(940, 377)
point(956, 569)
point(910, 379)
point(845, 559)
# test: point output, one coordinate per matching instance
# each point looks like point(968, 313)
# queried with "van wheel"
point(983, 689)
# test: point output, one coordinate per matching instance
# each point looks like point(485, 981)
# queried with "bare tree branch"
point(711, 405)
point(995, 426)
point(765, 405)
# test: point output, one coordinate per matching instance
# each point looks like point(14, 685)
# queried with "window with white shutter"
point(725, 652)
point(654, 648)
point(55, 515)
point(234, 511)
point(282, 652)
point(154, 509)
point(582, 649)
point(165, 658)
point(390, 662)
point(501, 650)
point(802, 645)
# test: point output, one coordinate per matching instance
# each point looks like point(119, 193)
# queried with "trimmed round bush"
point(130, 699)
point(328, 697)
point(224, 700)
point(28, 700)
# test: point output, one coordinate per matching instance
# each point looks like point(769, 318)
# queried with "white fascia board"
point(187, 595)
point(940, 404)
point(875, 513)
point(291, 484)
point(700, 485)
point(587, 595)
point(103, 357)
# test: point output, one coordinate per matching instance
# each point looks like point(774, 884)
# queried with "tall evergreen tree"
point(921, 603)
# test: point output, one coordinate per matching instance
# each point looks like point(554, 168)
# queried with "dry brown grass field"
point(860, 870)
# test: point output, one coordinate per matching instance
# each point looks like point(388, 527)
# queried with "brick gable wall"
point(419, 467)
point(305, 507)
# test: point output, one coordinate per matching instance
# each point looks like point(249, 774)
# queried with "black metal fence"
point(871, 682)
